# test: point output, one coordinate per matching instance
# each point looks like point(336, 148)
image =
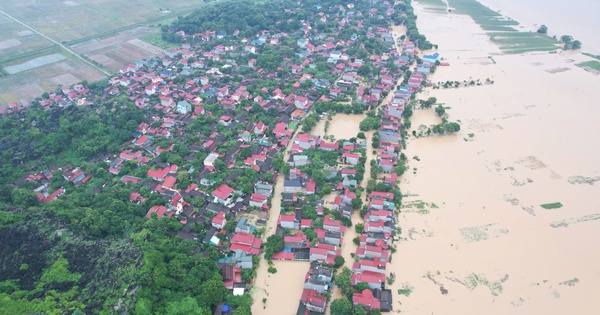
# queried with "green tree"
point(440, 110)
point(356, 203)
point(341, 307)
point(212, 292)
point(543, 29)
point(359, 310)
point(339, 261)
point(566, 39)
point(575, 45)
point(185, 306)
point(243, 310)
point(275, 243)
point(6, 194)
point(375, 311)
point(343, 280)
point(24, 198)
point(359, 227)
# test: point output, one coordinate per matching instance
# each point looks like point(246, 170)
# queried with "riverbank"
point(475, 238)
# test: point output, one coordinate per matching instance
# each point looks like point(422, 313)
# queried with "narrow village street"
point(278, 293)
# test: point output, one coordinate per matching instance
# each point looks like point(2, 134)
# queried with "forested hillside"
point(38, 137)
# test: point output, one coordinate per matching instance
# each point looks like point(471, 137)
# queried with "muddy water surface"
point(475, 238)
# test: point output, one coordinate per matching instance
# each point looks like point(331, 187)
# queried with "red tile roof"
point(222, 192)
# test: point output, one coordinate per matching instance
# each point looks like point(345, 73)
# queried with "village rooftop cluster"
point(222, 124)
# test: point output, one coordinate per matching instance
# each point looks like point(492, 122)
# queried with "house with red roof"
point(158, 175)
point(374, 280)
point(281, 130)
point(305, 223)
point(392, 179)
point(371, 252)
point(245, 242)
point(313, 301)
point(129, 155)
point(305, 141)
point(376, 215)
point(296, 241)
point(159, 210)
point(223, 194)
point(365, 265)
point(347, 172)
point(350, 158)
point(258, 200)
point(329, 146)
point(301, 102)
point(288, 221)
point(382, 195)
point(331, 224)
point(47, 198)
point(318, 254)
point(231, 276)
point(260, 128)
point(169, 182)
point(366, 300)
point(311, 187)
point(142, 140)
point(378, 226)
point(219, 221)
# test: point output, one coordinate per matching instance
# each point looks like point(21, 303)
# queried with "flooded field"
point(475, 236)
point(281, 290)
point(341, 126)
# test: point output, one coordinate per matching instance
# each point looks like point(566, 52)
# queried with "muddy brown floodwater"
point(342, 126)
point(472, 223)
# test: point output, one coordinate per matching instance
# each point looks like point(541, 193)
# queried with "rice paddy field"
point(503, 31)
point(80, 19)
point(112, 33)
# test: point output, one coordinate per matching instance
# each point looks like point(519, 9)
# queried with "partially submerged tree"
point(543, 29)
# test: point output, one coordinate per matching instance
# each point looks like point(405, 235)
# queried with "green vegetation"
point(592, 55)
point(405, 290)
point(274, 244)
point(446, 127)
point(404, 15)
point(554, 205)
point(46, 268)
point(40, 138)
point(370, 123)
point(339, 261)
point(592, 65)
point(343, 281)
point(157, 40)
point(341, 306)
point(570, 43)
point(502, 31)
point(543, 29)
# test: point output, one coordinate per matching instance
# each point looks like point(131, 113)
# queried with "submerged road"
point(57, 43)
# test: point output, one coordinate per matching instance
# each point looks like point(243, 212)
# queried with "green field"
point(75, 21)
point(434, 5)
point(156, 40)
point(592, 64)
point(107, 28)
point(502, 30)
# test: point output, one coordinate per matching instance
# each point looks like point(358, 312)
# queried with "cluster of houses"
point(44, 193)
point(183, 85)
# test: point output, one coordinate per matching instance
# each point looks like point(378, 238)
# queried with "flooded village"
point(343, 164)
